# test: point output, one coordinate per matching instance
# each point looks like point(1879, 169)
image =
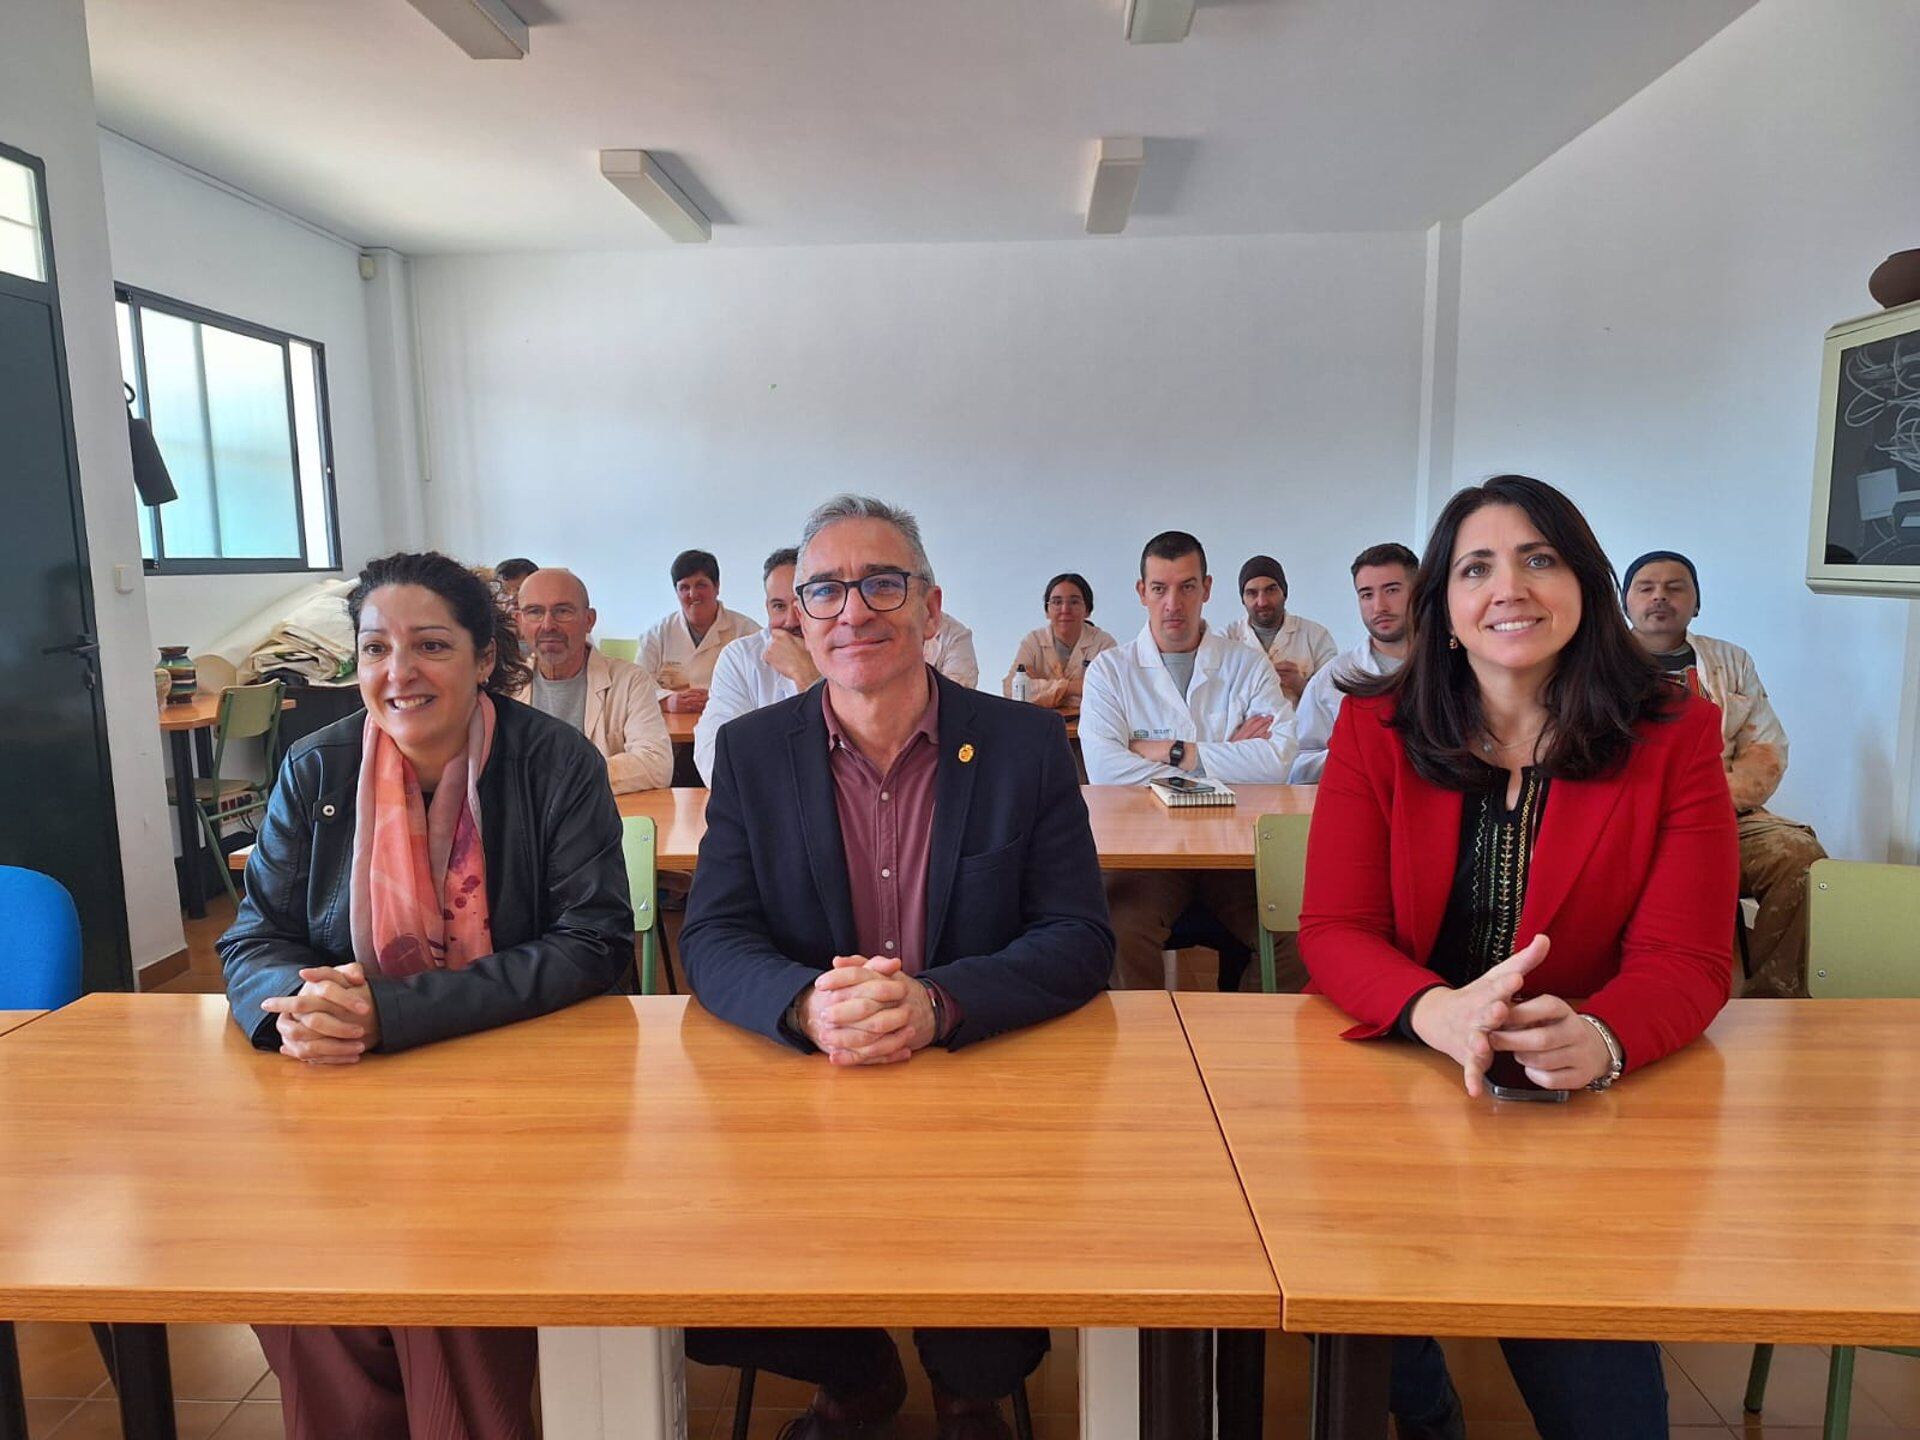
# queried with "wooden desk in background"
point(14, 1019)
point(187, 727)
point(1759, 1185)
point(628, 1162)
point(1131, 829)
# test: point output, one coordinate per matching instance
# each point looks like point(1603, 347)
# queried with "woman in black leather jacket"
point(445, 862)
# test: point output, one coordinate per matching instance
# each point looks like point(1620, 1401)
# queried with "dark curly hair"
point(478, 608)
point(1603, 686)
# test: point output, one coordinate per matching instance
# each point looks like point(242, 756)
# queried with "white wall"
point(1641, 323)
point(1043, 408)
point(46, 108)
point(174, 234)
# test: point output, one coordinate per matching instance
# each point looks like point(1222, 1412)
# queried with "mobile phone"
point(1507, 1078)
point(1181, 782)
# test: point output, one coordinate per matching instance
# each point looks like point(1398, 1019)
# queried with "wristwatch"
point(1614, 1052)
point(1177, 755)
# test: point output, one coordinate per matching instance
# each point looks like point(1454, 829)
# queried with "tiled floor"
point(224, 1390)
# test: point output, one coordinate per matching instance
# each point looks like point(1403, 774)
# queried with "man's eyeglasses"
point(562, 614)
point(883, 590)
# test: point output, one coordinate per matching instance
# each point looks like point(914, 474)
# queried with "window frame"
point(137, 300)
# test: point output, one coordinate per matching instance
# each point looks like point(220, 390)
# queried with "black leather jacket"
point(556, 882)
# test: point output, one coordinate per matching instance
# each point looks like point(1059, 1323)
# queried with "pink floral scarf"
point(419, 890)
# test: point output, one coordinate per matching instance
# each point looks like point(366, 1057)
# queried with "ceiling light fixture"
point(638, 176)
point(485, 29)
point(1157, 22)
point(1116, 177)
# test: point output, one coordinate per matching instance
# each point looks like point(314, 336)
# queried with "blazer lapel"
point(953, 793)
point(1577, 811)
point(599, 682)
point(1433, 815)
point(819, 813)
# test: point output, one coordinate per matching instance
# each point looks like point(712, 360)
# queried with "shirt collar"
point(928, 726)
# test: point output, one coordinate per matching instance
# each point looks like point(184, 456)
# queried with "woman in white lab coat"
point(1058, 653)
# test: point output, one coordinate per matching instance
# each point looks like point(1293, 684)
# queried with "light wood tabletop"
point(1762, 1184)
point(199, 713)
point(623, 1162)
point(1131, 829)
point(14, 1019)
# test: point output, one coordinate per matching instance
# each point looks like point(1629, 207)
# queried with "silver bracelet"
point(1615, 1054)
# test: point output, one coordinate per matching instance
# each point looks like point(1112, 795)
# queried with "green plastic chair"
point(618, 649)
point(247, 712)
point(1861, 920)
point(1279, 877)
point(637, 844)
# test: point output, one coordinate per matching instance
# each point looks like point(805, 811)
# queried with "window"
point(240, 415)
point(21, 252)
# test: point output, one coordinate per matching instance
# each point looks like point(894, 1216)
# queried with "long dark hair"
point(478, 608)
point(1603, 686)
point(1079, 582)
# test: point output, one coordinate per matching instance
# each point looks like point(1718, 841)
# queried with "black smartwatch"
point(1177, 755)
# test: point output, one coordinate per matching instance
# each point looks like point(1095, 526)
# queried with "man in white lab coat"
point(1383, 584)
point(1180, 701)
point(1295, 646)
point(950, 651)
point(757, 669)
point(682, 649)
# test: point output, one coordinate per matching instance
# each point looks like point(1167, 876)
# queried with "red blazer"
point(1634, 879)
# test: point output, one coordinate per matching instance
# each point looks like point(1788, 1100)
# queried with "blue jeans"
point(1576, 1389)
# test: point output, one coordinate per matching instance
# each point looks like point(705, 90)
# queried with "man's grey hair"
point(865, 507)
point(785, 555)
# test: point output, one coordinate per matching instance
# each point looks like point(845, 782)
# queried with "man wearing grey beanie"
point(1294, 645)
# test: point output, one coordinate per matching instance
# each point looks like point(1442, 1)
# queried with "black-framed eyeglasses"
point(883, 590)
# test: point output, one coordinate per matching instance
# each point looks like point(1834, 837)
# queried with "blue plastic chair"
point(41, 969)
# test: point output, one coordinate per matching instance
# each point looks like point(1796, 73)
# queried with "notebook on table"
point(1182, 792)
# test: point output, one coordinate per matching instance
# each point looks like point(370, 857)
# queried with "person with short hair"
point(1180, 701)
point(1056, 655)
point(1661, 592)
point(1295, 646)
point(509, 575)
point(757, 669)
point(445, 861)
point(682, 648)
point(1383, 584)
point(839, 910)
point(609, 700)
point(1522, 847)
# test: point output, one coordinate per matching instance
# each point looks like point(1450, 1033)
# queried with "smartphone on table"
point(1507, 1078)
point(1181, 782)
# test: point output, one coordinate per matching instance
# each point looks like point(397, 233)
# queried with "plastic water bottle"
point(1019, 682)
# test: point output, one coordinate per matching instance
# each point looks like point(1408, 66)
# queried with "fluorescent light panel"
point(485, 29)
point(638, 176)
point(1115, 179)
point(1158, 22)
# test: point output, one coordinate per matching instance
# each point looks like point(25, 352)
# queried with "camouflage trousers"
point(1774, 855)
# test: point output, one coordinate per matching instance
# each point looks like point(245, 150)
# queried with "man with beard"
point(1383, 584)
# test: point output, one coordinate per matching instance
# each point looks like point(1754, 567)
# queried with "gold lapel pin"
point(966, 754)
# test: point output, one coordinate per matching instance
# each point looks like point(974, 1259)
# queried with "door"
point(56, 792)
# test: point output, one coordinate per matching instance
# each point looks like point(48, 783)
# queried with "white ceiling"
point(827, 121)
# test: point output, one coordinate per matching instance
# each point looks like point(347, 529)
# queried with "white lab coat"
point(1038, 653)
point(742, 683)
point(1320, 707)
point(1130, 696)
point(950, 651)
point(1305, 642)
point(671, 643)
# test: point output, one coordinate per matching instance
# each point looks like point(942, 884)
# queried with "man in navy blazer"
point(891, 862)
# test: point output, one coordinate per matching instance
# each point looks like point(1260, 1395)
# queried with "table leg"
point(1109, 1384)
point(13, 1395)
point(1176, 1385)
point(1240, 1378)
point(145, 1382)
point(612, 1384)
point(1351, 1376)
point(193, 875)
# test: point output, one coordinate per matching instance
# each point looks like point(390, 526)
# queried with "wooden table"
point(627, 1162)
point(186, 726)
point(1131, 829)
point(1761, 1185)
point(14, 1019)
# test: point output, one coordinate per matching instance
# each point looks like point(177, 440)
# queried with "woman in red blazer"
point(1524, 842)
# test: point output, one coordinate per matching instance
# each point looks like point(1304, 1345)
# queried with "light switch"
point(123, 579)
